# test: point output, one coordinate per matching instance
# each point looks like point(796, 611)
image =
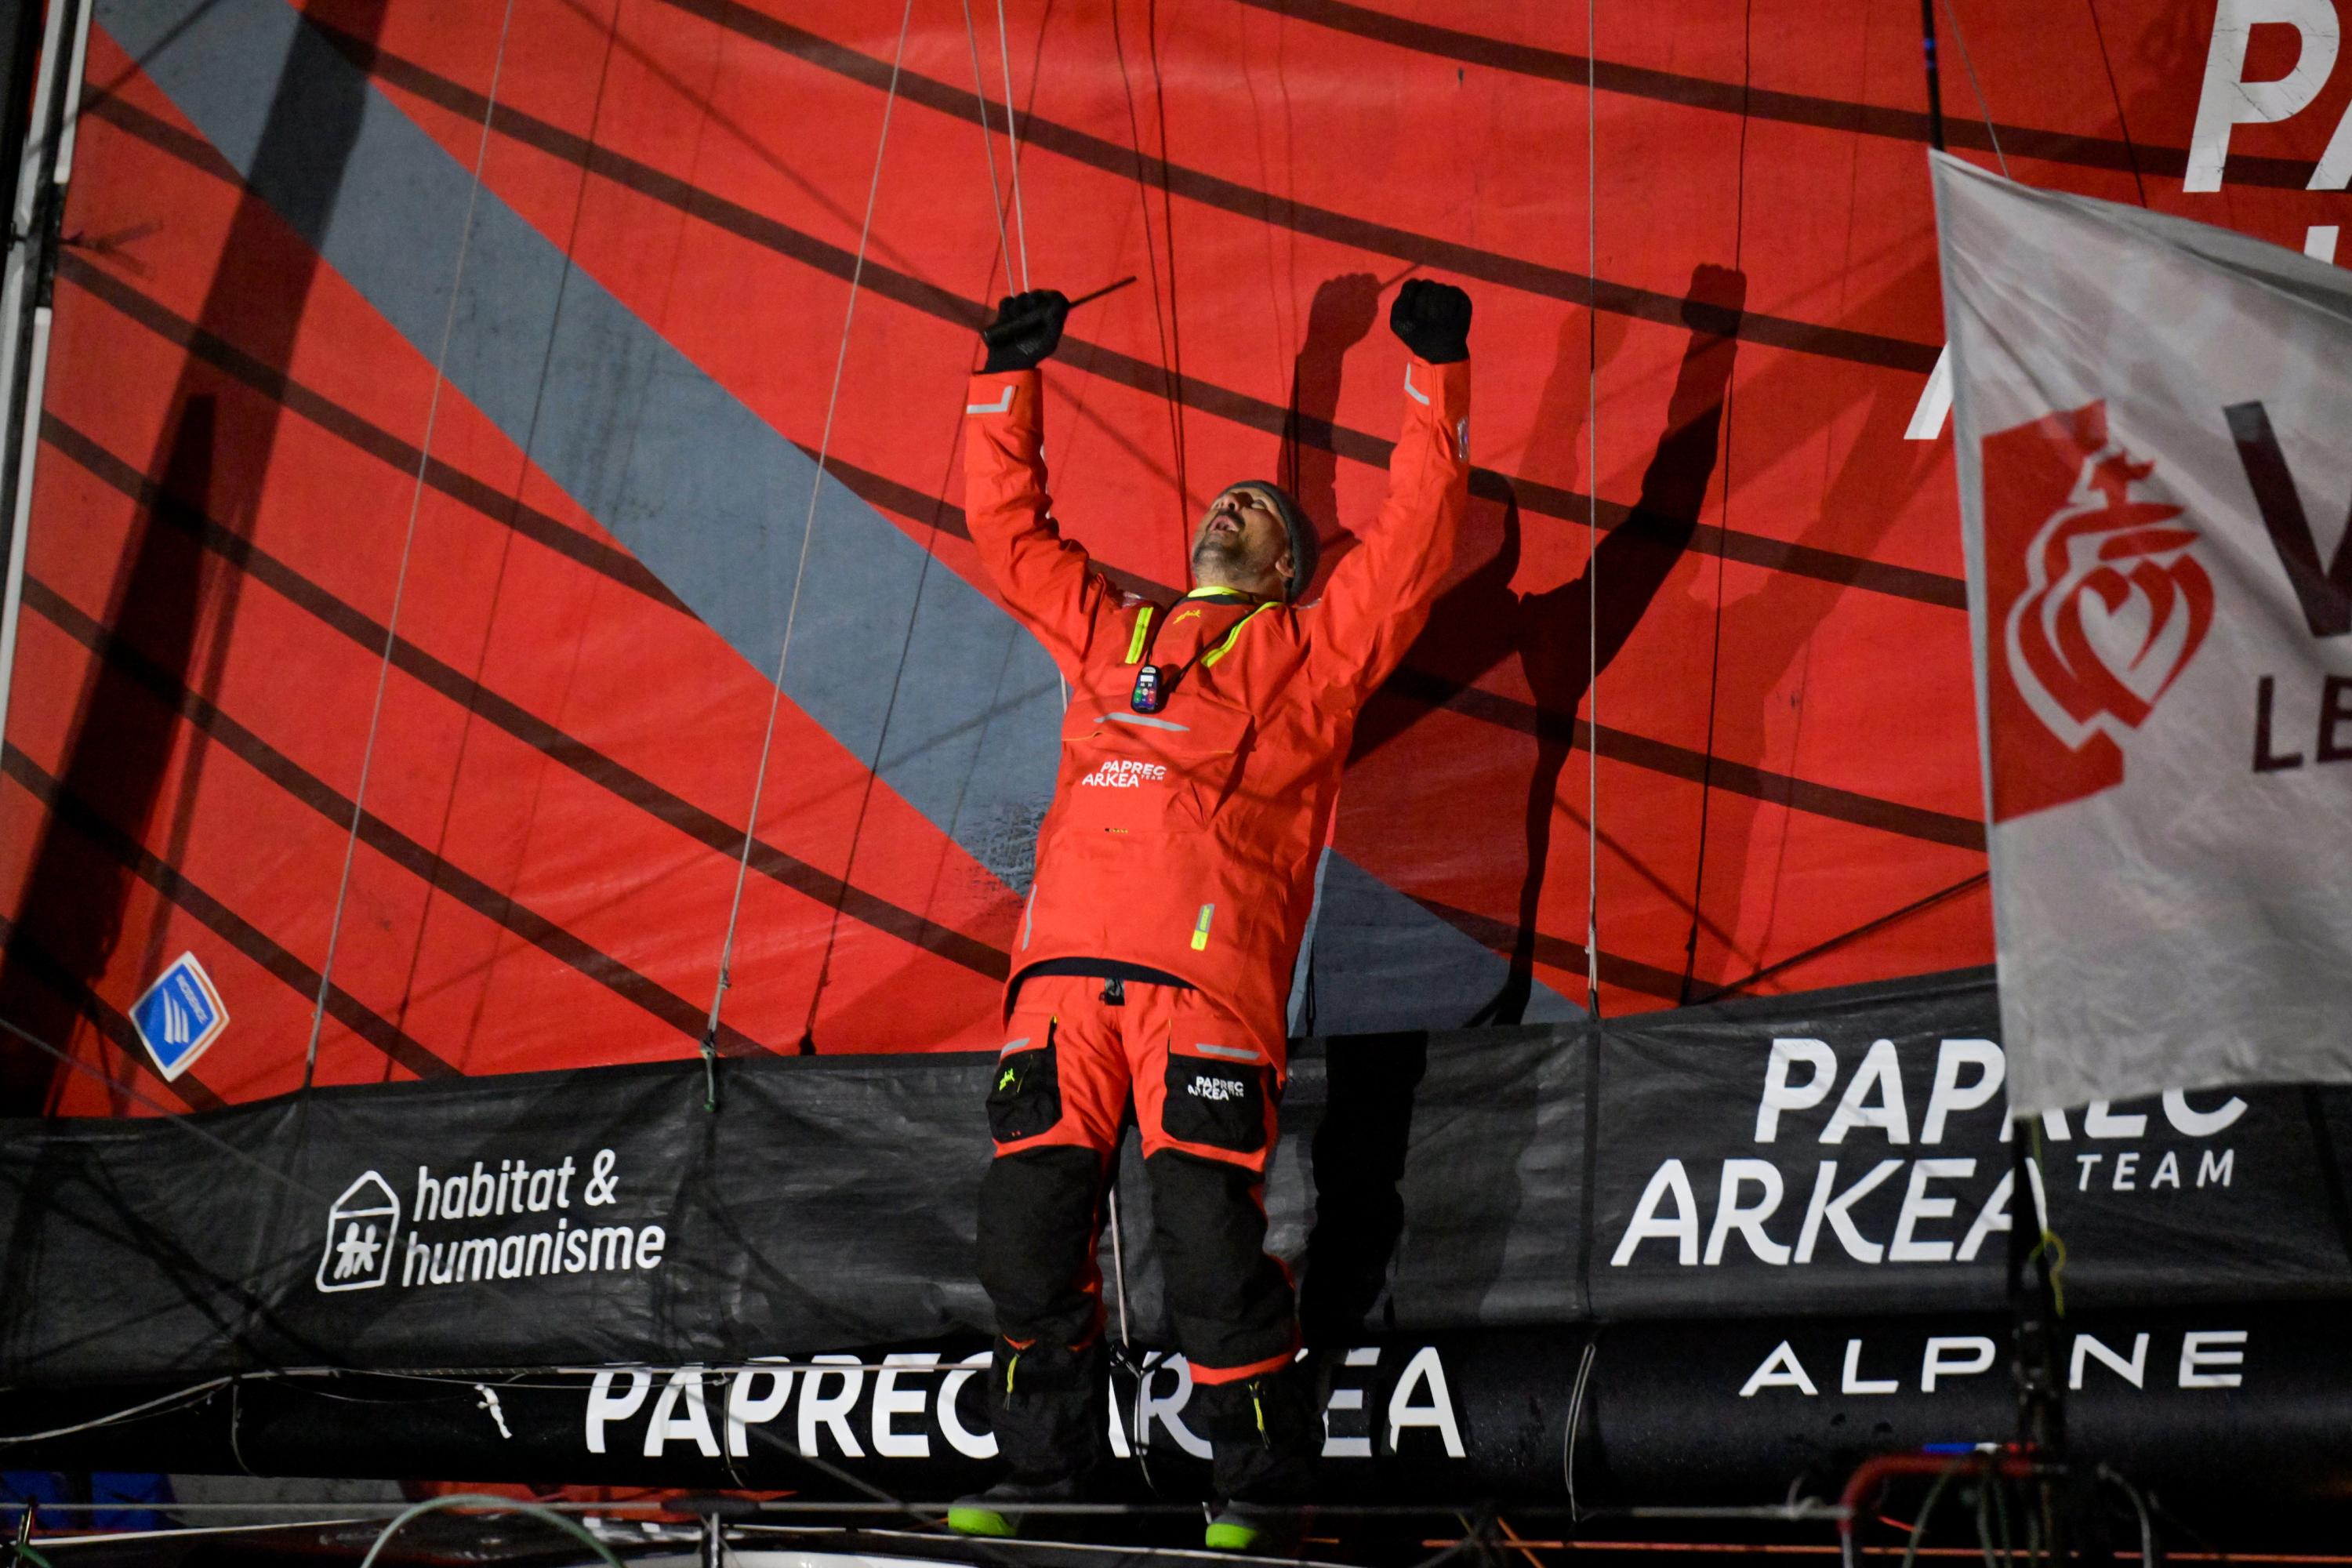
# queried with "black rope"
point(1714, 654)
point(1818, 948)
point(2131, 151)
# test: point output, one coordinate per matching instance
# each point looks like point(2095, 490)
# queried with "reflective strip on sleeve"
point(1004, 403)
point(1135, 639)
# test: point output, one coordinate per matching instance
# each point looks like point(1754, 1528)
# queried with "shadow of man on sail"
point(172, 606)
point(1340, 316)
point(1358, 1154)
point(70, 918)
point(1566, 635)
point(1764, 636)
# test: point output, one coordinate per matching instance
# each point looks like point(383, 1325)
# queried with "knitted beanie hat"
point(1305, 547)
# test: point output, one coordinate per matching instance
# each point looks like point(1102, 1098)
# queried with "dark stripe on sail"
point(1141, 375)
point(1471, 702)
point(1559, 952)
point(435, 870)
point(1681, 762)
point(476, 495)
point(868, 908)
point(1762, 104)
point(345, 424)
point(223, 922)
point(102, 1015)
point(1282, 212)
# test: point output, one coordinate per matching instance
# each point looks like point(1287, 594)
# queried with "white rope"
point(1118, 1269)
point(1576, 1420)
point(407, 543)
point(181, 1396)
point(808, 531)
point(1592, 529)
point(988, 147)
point(1137, 1437)
point(1013, 143)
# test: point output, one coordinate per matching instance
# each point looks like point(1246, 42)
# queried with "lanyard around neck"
point(1160, 682)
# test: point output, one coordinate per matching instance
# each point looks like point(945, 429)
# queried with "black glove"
point(1433, 320)
point(1027, 329)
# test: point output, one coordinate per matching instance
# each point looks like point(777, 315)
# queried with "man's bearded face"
point(1241, 539)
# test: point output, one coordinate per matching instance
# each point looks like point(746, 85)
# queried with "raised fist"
point(1027, 329)
point(1433, 320)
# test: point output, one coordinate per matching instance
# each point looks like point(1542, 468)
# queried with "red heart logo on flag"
point(2115, 605)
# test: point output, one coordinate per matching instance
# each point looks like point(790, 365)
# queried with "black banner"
point(1726, 1411)
point(1847, 1152)
point(1834, 1153)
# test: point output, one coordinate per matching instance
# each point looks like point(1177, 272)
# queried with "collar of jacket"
point(1228, 595)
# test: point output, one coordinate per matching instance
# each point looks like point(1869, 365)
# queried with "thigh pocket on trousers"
point(1025, 1097)
point(1215, 1103)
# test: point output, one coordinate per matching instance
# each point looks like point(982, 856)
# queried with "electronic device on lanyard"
point(1155, 683)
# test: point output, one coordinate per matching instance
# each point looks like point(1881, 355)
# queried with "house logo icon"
point(362, 1227)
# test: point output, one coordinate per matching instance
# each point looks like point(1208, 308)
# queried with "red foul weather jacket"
point(1186, 840)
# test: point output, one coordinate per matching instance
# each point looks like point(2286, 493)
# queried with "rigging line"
point(1952, 12)
point(177, 1117)
point(261, 1266)
point(866, 791)
point(2131, 150)
point(1592, 523)
point(1715, 655)
point(930, 549)
point(808, 531)
point(1820, 948)
point(1175, 355)
point(1013, 144)
point(407, 543)
point(1576, 1421)
point(160, 1404)
point(1119, 1266)
point(987, 147)
point(1169, 392)
point(530, 455)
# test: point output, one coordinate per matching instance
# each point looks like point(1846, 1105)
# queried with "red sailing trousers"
point(1202, 1085)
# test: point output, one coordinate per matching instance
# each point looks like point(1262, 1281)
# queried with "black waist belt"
point(1100, 969)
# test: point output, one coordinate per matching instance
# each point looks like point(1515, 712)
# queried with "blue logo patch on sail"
point(179, 1017)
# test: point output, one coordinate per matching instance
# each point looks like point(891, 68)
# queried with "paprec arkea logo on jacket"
point(2095, 604)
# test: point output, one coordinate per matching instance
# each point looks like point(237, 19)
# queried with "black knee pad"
point(1035, 1243)
point(1230, 1303)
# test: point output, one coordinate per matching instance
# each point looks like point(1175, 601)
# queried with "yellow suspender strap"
point(1226, 646)
point(1135, 641)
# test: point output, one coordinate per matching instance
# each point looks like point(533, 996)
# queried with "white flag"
point(2154, 423)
